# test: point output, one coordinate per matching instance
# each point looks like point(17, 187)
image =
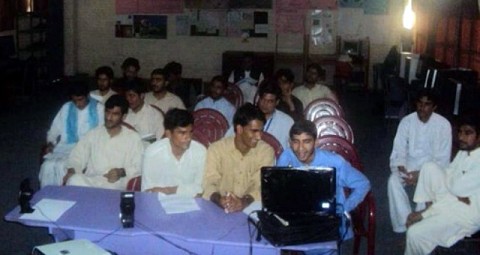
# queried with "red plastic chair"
point(272, 141)
point(322, 107)
point(333, 125)
point(200, 137)
point(234, 95)
point(211, 123)
point(135, 184)
point(363, 217)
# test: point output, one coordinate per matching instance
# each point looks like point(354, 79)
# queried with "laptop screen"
point(288, 190)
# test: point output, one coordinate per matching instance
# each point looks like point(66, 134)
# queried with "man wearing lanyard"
point(278, 123)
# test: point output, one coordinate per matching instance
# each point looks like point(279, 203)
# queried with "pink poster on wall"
point(323, 4)
point(160, 6)
point(290, 16)
point(126, 6)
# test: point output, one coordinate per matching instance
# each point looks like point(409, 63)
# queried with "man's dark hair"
point(270, 86)
point(177, 118)
point(303, 126)
point(119, 101)
point(78, 89)
point(220, 79)
point(429, 94)
point(134, 86)
point(108, 71)
point(318, 67)
point(131, 62)
point(173, 68)
point(472, 119)
point(285, 72)
point(245, 114)
point(159, 71)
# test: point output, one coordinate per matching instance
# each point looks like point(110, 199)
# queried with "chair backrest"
point(340, 146)
point(200, 137)
point(272, 141)
point(211, 123)
point(333, 125)
point(234, 95)
point(135, 184)
point(322, 107)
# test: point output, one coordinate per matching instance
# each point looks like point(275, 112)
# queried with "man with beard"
point(215, 99)
point(232, 169)
point(159, 95)
point(104, 79)
point(312, 89)
point(174, 165)
point(109, 155)
point(455, 193)
point(422, 137)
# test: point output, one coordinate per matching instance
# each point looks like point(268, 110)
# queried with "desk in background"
point(95, 217)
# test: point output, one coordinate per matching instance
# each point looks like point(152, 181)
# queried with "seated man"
point(422, 136)
point(72, 122)
point(302, 153)
point(455, 193)
point(104, 79)
point(130, 68)
point(289, 103)
point(232, 168)
point(178, 86)
point(215, 99)
point(109, 155)
point(174, 165)
point(278, 123)
point(146, 120)
point(312, 89)
point(159, 95)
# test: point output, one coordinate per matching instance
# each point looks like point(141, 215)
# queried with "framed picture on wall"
point(150, 26)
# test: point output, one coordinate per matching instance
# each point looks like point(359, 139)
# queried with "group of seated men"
point(447, 194)
point(103, 131)
point(90, 146)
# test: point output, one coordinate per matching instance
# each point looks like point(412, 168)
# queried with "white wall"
point(90, 41)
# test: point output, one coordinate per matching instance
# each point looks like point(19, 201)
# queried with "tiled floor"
point(24, 126)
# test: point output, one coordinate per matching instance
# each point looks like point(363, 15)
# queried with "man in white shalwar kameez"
point(422, 137)
point(147, 120)
point(455, 192)
point(72, 122)
point(175, 164)
point(159, 96)
point(108, 156)
point(104, 79)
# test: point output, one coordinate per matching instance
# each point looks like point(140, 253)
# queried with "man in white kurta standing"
point(278, 123)
point(422, 137)
point(147, 120)
point(104, 80)
point(159, 95)
point(72, 122)
point(455, 192)
point(175, 164)
point(247, 77)
point(109, 155)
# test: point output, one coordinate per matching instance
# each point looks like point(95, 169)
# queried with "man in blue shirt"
point(302, 153)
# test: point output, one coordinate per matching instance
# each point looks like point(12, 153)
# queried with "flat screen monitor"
point(352, 47)
point(287, 190)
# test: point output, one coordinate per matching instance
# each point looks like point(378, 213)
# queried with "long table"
point(95, 216)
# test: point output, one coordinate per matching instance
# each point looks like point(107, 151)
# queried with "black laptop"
point(292, 191)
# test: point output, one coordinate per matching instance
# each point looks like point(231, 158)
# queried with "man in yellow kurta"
point(232, 168)
point(109, 155)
